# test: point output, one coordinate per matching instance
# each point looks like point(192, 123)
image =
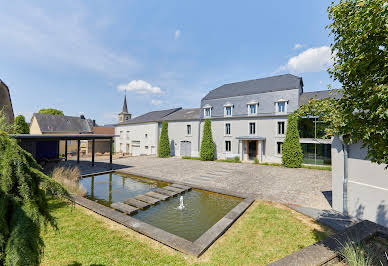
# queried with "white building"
point(249, 120)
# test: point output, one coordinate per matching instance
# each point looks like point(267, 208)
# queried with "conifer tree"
point(207, 146)
point(164, 142)
point(292, 154)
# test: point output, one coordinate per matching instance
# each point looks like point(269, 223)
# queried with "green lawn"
point(263, 234)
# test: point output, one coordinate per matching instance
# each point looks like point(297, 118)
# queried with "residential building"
point(249, 120)
point(5, 102)
point(42, 124)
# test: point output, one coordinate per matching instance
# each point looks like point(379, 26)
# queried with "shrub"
point(164, 142)
point(20, 125)
point(236, 159)
point(255, 161)
point(358, 254)
point(292, 154)
point(207, 146)
point(69, 177)
point(24, 192)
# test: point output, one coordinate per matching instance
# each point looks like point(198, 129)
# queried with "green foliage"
point(23, 204)
point(358, 254)
point(191, 158)
point(255, 161)
point(207, 152)
point(50, 111)
point(360, 33)
point(20, 125)
point(5, 126)
point(292, 154)
point(164, 142)
point(236, 159)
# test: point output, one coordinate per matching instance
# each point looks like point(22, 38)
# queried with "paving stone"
point(180, 186)
point(179, 190)
point(147, 199)
point(136, 203)
point(124, 207)
point(165, 192)
point(156, 195)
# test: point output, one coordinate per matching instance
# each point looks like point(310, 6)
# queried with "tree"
point(360, 34)
point(20, 125)
point(207, 152)
point(292, 154)
point(50, 111)
point(5, 126)
point(24, 192)
point(164, 142)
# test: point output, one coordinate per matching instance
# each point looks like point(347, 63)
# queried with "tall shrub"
point(292, 154)
point(23, 204)
point(164, 142)
point(20, 125)
point(207, 146)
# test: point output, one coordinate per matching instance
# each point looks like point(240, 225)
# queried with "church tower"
point(124, 115)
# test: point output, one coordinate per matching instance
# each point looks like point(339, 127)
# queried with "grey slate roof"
point(275, 83)
point(184, 114)
point(125, 108)
point(154, 116)
point(58, 123)
point(306, 96)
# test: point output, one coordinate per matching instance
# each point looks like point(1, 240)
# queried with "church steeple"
point(124, 115)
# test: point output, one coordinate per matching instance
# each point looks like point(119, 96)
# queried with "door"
point(135, 150)
point(185, 148)
point(252, 149)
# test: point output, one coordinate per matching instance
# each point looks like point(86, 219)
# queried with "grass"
point(191, 158)
point(263, 234)
point(69, 177)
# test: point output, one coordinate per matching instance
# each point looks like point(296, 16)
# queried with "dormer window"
point(207, 111)
point(252, 108)
point(281, 106)
point(228, 108)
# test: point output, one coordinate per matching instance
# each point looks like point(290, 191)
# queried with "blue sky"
point(80, 56)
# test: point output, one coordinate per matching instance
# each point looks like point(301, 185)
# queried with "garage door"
point(135, 150)
point(185, 148)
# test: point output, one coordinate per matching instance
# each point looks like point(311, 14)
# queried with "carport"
point(33, 144)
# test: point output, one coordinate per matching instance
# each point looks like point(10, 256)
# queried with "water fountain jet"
point(181, 206)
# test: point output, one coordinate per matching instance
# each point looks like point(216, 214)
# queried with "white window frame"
point(191, 130)
point(277, 127)
point(256, 108)
point(277, 106)
point(249, 128)
point(230, 129)
point(229, 146)
point(225, 110)
point(210, 112)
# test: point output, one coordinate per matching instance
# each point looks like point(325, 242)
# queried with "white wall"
point(367, 184)
point(265, 127)
point(177, 132)
point(146, 133)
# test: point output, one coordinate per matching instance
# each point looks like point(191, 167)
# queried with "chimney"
point(82, 116)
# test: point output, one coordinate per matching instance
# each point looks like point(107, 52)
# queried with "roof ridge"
point(288, 74)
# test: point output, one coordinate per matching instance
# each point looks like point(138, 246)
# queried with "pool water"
point(202, 209)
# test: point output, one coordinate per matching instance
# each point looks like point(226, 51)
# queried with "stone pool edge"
point(196, 248)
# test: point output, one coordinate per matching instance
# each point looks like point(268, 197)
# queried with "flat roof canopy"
point(61, 137)
point(250, 138)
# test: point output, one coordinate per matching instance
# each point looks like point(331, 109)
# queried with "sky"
point(82, 56)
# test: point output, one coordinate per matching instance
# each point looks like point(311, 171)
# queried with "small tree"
point(292, 154)
point(51, 111)
point(164, 142)
point(207, 146)
point(20, 125)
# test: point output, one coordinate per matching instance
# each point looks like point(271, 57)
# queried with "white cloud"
point(297, 46)
point(156, 102)
point(310, 60)
point(140, 87)
point(177, 34)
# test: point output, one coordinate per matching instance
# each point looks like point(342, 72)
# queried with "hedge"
point(292, 154)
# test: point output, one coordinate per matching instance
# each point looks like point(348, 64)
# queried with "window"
point(227, 129)
point(281, 107)
point(228, 145)
point(146, 135)
point(252, 128)
point(207, 112)
point(127, 134)
point(146, 147)
point(279, 147)
point(280, 128)
point(188, 130)
point(121, 134)
point(126, 118)
point(68, 142)
point(252, 109)
point(228, 111)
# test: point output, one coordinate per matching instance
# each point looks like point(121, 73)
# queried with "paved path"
point(303, 187)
